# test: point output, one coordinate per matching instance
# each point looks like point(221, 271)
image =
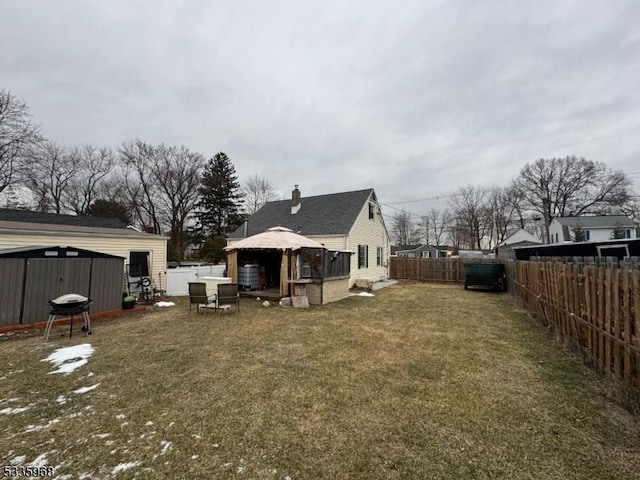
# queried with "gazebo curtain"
point(232, 266)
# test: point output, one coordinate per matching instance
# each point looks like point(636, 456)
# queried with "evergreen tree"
point(221, 199)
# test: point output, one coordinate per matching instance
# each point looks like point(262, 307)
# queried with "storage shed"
point(31, 276)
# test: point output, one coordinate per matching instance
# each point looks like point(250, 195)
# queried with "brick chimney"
point(295, 200)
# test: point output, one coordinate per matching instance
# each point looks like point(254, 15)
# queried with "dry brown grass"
point(421, 381)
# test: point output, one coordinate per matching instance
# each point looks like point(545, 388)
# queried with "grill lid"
point(74, 298)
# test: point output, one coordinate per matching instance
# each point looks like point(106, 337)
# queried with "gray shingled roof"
point(10, 215)
point(600, 221)
point(332, 214)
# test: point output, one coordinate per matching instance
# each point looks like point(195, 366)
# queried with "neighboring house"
point(520, 238)
point(144, 253)
point(425, 251)
point(349, 221)
point(592, 228)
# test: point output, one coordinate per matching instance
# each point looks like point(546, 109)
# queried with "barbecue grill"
point(69, 305)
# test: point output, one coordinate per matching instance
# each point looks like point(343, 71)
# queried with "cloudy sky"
point(412, 98)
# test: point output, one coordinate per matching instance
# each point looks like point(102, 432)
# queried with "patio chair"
point(228, 295)
point(198, 296)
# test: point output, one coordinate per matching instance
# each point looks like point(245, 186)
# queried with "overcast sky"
point(414, 99)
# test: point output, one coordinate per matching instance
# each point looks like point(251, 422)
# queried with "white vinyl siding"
point(110, 245)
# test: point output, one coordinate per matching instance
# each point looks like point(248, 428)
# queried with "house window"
point(557, 238)
point(312, 260)
point(372, 211)
point(627, 233)
point(363, 256)
point(425, 254)
point(379, 256)
point(587, 235)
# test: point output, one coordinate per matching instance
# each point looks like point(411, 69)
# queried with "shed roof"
point(31, 228)
point(520, 236)
point(275, 238)
point(331, 214)
point(60, 252)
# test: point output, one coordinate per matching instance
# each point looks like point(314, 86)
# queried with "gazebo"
point(278, 245)
point(283, 257)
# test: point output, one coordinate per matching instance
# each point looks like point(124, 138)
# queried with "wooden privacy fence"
point(595, 307)
point(427, 269)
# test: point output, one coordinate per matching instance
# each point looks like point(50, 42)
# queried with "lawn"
point(419, 382)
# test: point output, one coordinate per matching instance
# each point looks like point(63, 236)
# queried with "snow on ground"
point(165, 304)
point(86, 389)
point(36, 428)
point(366, 294)
point(121, 467)
point(40, 460)
point(61, 399)
point(18, 460)
point(121, 416)
point(12, 411)
point(68, 359)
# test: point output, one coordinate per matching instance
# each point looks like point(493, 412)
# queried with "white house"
point(347, 221)
point(592, 228)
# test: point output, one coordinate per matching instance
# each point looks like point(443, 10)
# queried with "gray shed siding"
point(11, 278)
point(27, 284)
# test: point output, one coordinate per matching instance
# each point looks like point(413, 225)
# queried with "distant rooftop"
point(10, 215)
point(597, 221)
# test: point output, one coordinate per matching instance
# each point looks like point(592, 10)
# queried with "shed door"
point(12, 276)
point(48, 278)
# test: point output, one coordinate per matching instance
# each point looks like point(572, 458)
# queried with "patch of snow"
point(166, 447)
point(40, 460)
point(36, 428)
point(288, 478)
point(13, 411)
point(108, 443)
point(68, 359)
point(90, 374)
point(196, 436)
point(9, 400)
point(61, 399)
point(172, 424)
point(165, 304)
point(148, 424)
point(366, 294)
point(124, 424)
point(121, 416)
point(85, 389)
point(273, 470)
point(66, 476)
point(101, 435)
point(227, 465)
point(194, 457)
point(19, 460)
point(216, 445)
point(241, 469)
point(124, 466)
point(85, 476)
point(74, 415)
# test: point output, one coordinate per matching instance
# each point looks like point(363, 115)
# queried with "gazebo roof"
point(275, 238)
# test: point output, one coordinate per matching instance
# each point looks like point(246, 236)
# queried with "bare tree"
point(257, 191)
point(177, 172)
point(404, 230)
point(139, 182)
point(470, 213)
point(18, 136)
point(434, 225)
point(571, 186)
point(504, 211)
point(49, 173)
point(94, 165)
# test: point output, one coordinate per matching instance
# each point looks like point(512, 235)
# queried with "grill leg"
point(87, 324)
point(47, 329)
